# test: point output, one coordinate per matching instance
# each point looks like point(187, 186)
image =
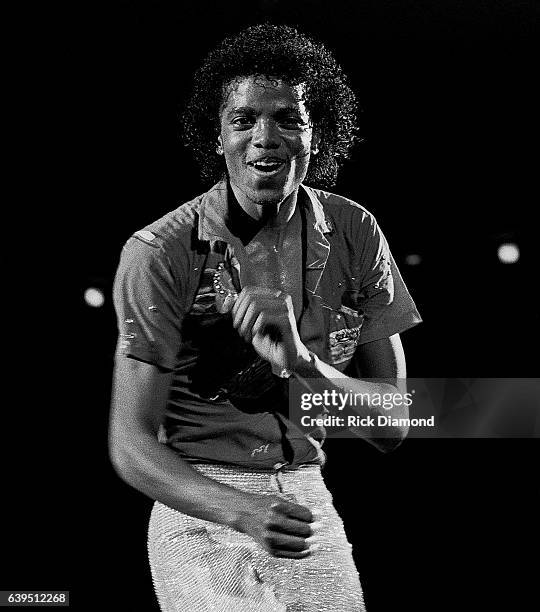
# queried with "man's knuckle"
point(269, 522)
point(268, 540)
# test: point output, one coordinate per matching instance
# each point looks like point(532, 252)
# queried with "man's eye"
point(242, 121)
point(292, 122)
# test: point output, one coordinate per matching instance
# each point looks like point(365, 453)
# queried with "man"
point(221, 301)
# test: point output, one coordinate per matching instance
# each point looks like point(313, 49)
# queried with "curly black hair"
point(281, 52)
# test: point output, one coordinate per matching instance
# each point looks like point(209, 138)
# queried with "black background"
point(447, 91)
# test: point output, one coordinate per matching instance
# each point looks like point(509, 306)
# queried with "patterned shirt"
point(225, 403)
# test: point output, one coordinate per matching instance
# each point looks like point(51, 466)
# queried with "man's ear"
point(315, 141)
point(219, 146)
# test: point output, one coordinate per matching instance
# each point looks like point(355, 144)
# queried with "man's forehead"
point(260, 85)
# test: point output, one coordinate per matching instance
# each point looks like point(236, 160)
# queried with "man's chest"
point(329, 322)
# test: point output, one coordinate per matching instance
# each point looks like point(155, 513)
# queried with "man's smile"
point(267, 165)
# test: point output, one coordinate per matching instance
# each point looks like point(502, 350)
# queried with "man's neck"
point(247, 223)
point(279, 211)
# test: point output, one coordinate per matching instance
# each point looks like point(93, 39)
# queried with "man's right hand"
point(139, 401)
point(279, 526)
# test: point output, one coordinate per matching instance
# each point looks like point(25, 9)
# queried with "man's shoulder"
point(172, 238)
point(342, 211)
point(173, 227)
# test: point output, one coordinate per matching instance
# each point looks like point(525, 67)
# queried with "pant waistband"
point(281, 479)
point(238, 469)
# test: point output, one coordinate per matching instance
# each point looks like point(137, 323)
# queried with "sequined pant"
point(198, 566)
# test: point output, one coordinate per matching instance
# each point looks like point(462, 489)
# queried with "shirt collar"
point(315, 213)
point(212, 214)
point(214, 207)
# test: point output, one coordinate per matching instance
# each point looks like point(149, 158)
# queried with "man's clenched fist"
point(265, 317)
point(282, 528)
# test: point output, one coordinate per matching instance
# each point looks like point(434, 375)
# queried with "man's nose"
point(266, 135)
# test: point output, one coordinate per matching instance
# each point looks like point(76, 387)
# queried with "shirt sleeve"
point(383, 297)
point(148, 305)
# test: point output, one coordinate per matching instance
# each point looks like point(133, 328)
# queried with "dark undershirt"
point(239, 223)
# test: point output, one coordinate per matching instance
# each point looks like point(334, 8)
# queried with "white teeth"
point(267, 165)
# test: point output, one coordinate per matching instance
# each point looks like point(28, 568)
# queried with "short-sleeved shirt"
point(225, 403)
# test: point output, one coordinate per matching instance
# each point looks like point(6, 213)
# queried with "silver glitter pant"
point(198, 566)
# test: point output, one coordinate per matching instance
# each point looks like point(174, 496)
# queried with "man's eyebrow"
point(239, 110)
point(288, 110)
point(249, 110)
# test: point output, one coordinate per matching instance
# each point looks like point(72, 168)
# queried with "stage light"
point(413, 259)
point(508, 253)
point(94, 297)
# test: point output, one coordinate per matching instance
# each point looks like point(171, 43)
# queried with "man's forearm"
point(320, 377)
point(155, 470)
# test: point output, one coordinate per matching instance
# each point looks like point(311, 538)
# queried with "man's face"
point(266, 136)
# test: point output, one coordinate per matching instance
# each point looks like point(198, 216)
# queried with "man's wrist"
point(306, 366)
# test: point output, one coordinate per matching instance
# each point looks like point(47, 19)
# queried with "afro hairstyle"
point(276, 52)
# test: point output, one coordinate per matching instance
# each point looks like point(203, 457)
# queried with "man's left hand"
point(265, 317)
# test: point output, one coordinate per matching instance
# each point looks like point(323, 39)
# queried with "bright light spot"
point(413, 259)
point(94, 297)
point(508, 253)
